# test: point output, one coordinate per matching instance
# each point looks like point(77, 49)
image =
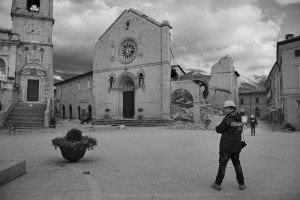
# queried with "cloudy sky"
point(203, 30)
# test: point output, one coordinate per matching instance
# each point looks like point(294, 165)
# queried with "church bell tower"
point(33, 22)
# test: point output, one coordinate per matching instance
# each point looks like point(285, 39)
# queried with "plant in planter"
point(106, 116)
point(140, 116)
point(73, 145)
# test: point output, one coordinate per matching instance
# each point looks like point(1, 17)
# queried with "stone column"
point(165, 70)
point(196, 110)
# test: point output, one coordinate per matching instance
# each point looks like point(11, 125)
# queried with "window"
point(257, 112)
point(33, 5)
point(242, 101)
point(88, 85)
point(257, 100)
point(297, 53)
point(2, 69)
point(79, 85)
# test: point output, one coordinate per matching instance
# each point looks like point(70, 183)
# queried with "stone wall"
point(152, 58)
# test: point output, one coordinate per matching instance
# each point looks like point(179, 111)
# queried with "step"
point(134, 122)
point(11, 169)
point(25, 118)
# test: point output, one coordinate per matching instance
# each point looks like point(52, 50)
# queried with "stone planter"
point(71, 154)
point(106, 116)
point(140, 117)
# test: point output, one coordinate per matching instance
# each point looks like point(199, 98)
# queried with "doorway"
point(128, 104)
point(33, 90)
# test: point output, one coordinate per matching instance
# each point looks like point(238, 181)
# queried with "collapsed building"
point(133, 69)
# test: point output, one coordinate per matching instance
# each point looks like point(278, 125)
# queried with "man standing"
point(231, 129)
point(253, 123)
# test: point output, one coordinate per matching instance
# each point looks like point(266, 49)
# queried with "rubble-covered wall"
point(223, 83)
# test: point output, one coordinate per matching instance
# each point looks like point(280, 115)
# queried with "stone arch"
point(33, 69)
point(123, 79)
point(203, 83)
point(182, 96)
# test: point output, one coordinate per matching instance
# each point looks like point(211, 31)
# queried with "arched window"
point(141, 80)
point(63, 111)
point(111, 82)
point(78, 112)
point(242, 101)
point(2, 70)
point(89, 112)
point(33, 5)
point(70, 110)
point(257, 112)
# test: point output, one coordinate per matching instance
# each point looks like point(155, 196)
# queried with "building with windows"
point(283, 83)
point(253, 103)
point(74, 97)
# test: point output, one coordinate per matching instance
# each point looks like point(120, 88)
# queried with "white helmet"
point(229, 103)
point(252, 115)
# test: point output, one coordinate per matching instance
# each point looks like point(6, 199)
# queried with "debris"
point(210, 117)
point(86, 172)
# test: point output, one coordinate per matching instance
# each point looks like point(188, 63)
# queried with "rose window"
point(128, 51)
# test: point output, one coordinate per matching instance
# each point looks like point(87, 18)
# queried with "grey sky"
point(203, 31)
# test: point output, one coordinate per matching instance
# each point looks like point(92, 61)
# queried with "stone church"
point(26, 60)
point(132, 67)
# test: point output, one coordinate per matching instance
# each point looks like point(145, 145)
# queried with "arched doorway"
point(70, 111)
point(127, 84)
point(78, 108)
point(64, 111)
point(257, 112)
point(2, 69)
point(89, 112)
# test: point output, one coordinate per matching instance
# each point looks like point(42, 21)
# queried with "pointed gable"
point(136, 13)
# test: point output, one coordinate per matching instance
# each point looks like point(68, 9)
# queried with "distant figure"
point(11, 129)
point(253, 123)
point(245, 120)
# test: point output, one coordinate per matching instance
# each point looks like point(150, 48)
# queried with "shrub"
point(140, 110)
point(72, 140)
point(74, 135)
point(107, 110)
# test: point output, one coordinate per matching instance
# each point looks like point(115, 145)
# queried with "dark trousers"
point(223, 160)
point(252, 130)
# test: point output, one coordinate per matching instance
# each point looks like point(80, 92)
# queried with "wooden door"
point(33, 90)
point(128, 104)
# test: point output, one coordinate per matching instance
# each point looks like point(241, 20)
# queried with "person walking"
point(231, 129)
point(253, 123)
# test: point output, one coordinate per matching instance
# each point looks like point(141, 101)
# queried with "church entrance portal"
point(128, 104)
point(33, 90)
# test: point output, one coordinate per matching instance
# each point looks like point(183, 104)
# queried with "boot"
point(242, 186)
point(216, 186)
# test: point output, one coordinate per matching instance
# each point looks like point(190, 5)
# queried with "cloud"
point(286, 2)
point(203, 31)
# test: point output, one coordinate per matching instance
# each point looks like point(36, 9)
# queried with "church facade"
point(26, 54)
point(132, 68)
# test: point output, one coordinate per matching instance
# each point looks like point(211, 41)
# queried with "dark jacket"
point(253, 121)
point(231, 129)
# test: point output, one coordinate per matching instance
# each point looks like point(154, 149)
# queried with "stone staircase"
point(26, 115)
point(133, 122)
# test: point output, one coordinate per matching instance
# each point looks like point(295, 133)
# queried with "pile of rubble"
point(209, 118)
point(67, 121)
